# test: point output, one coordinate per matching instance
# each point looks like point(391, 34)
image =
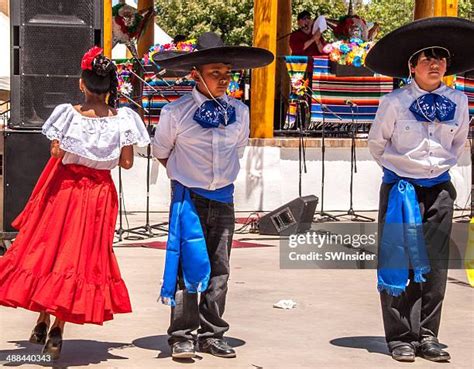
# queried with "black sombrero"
point(391, 54)
point(211, 49)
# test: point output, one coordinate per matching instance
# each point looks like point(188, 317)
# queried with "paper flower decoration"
point(328, 48)
point(124, 78)
point(299, 84)
point(126, 88)
point(345, 48)
point(234, 86)
point(357, 61)
point(185, 46)
point(335, 55)
point(350, 52)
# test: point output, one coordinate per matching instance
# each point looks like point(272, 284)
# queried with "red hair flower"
point(89, 57)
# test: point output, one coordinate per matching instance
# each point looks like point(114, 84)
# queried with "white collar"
point(419, 91)
point(199, 98)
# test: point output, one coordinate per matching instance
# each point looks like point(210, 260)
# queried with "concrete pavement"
point(336, 324)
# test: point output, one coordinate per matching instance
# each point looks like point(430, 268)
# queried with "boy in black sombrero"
point(418, 134)
point(199, 139)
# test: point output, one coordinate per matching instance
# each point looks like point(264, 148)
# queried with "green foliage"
point(393, 14)
point(466, 9)
point(388, 14)
point(233, 19)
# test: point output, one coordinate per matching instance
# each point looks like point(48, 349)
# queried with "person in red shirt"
point(302, 41)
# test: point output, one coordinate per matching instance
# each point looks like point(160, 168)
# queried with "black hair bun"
point(102, 66)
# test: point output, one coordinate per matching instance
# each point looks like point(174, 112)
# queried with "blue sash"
point(186, 246)
point(224, 194)
point(402, 243)
point(186, 243)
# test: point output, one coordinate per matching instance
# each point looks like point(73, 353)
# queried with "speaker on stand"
point(48, 40)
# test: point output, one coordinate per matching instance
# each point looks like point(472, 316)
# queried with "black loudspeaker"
point(49, 38)
point(25, 155)
point(291, 218)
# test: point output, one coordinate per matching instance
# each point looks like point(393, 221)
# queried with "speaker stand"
point(323, 216)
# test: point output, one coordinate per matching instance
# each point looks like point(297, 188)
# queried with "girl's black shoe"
point(54, 344)
point(39, 333)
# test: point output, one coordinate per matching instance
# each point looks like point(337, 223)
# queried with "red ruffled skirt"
point(62, 260)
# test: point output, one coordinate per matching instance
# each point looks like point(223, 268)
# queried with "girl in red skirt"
point(62, 262)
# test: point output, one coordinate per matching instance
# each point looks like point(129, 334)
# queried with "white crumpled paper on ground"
point(285, 304)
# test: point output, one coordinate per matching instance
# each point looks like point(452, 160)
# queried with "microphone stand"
point(355, 217)
point(301, 144)
point(145, 230)
point(324, 217)
point(121, 231)
point(147, 227)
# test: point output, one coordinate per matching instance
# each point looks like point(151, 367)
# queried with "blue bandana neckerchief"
point(433, 107)
point(210, 114)
point(402, 243)
point(186, 246)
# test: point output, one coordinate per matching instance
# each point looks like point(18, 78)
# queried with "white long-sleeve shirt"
point(414, 149)
point(199, 157)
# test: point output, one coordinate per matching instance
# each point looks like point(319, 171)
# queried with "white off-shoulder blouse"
point(94, 142)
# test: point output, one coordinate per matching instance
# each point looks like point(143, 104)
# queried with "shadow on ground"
point(373, 344)
point(73, 353)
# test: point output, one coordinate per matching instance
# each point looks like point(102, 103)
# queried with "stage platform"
point(269, 176)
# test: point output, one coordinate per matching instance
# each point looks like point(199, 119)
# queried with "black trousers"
point(415, 314)
point(218, 222)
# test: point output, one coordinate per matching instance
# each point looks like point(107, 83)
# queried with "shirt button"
point(407, 128)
